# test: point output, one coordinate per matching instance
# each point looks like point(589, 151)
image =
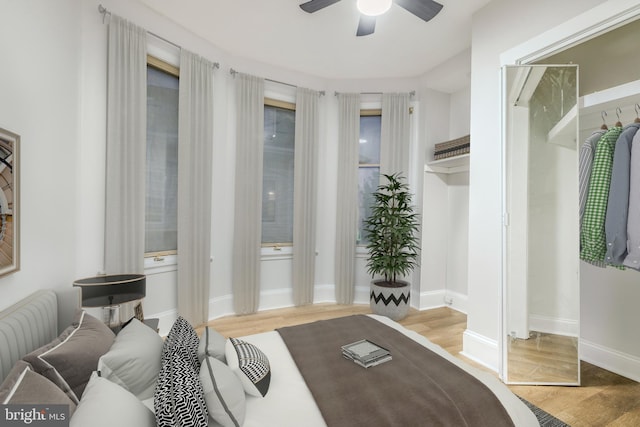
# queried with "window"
point(369, 165)
point(277, 178)
point(161, 216)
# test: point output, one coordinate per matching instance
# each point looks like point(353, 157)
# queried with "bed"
point(152, 380)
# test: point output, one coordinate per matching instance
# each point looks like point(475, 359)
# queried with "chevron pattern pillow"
point(250, 364)
point(179, 398)
point(184, 339)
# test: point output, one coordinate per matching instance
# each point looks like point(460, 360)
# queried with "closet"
point(606, 299)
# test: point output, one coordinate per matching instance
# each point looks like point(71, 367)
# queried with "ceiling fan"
point(369, 9)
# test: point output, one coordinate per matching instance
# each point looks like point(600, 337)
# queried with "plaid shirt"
point(592, 237)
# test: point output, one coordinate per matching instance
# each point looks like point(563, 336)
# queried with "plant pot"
point(392, 302)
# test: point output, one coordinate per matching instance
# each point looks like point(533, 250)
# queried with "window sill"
point(163, 264)
point(362, 251)
point(272, 253)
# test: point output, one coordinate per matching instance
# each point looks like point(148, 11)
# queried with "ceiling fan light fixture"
point(373, 7)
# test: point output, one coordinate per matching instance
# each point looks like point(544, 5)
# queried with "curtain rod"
point(412, 93)
point(105, 12)
point(234, 72)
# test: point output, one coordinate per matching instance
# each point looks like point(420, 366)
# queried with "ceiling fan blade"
point(366, 26)
point(316, 5)
point(423, 9)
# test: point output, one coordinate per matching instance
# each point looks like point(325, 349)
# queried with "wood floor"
point(604, 399)
point(543, 358)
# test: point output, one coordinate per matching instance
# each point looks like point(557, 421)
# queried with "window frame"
point(281, 248)
point(164, 258)
point(361, 248)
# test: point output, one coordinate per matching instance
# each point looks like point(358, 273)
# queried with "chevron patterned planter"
point(390, 302)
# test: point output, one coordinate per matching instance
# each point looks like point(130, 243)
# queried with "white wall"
point(460, 112)
point(38, 83)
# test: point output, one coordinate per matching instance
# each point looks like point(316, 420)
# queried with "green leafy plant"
point(392, 230)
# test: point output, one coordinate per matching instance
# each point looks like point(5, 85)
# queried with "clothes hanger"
point(618, 112)
point(604, 121)
point(637, 120)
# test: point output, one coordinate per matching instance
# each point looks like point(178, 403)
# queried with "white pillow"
point(250, 364)
point(223, 392)
point(133, 361)
point(105, 404)
point(212, 343)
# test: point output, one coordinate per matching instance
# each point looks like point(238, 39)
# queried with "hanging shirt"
point(593, 245)
point(615, 225)
point(633, 222)
point(587, 150)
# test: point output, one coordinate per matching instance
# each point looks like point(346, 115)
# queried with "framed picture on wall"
point(9, 202)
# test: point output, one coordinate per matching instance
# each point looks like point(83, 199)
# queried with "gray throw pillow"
point(212, 343)
point(223, 392)
point(105, 404)
point(24, 386)
point(133, 361)
point(70, 359)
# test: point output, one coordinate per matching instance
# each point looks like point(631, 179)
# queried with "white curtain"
point(195, 140)
point(126, 147)
point(395, 132)
point(305, 195)
point(247, 236)
point(347, 208)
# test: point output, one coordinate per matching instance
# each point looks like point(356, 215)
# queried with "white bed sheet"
point(289, 402)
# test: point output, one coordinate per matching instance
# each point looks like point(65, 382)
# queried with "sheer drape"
point(247, 236)
point(347, 206)
point(395, 131)
point(126, 147)
point(195, 136)
point(305, 195)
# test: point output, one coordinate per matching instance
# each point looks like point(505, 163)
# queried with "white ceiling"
point(324, 44)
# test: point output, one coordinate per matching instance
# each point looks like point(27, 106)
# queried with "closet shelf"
point(623, 95)
point(591, 106)
point(449, 165)
point(564, 132)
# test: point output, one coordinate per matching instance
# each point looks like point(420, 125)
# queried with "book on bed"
point(366, 353)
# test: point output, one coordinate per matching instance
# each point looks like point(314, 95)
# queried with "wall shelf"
point(449, 165)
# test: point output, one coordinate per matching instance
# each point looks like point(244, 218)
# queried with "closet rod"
point(234, 72)
point(336, 93)
point(105, 12)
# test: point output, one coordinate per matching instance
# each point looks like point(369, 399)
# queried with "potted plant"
point(391, 230)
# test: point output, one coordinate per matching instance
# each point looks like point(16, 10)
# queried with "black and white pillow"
point(183, 339)
point(250, 364)
point(179, 398)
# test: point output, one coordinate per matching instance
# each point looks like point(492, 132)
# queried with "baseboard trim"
point(553, 325)
point(443, 298)
point(431, 299)
point(612, 360)
point(480, 349)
